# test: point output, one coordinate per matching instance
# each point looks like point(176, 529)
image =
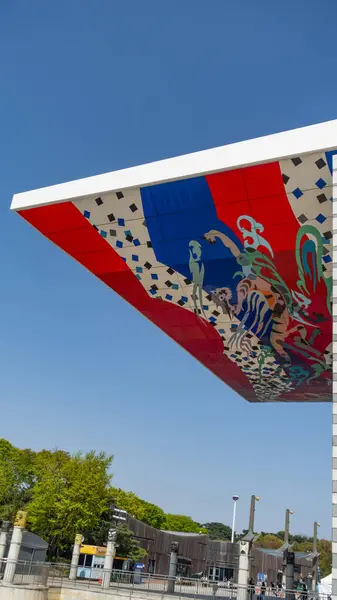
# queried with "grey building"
point(33, 547)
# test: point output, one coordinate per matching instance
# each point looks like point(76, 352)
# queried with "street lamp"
point(235, 499)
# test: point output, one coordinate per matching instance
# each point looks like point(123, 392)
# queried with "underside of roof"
point(228, 251)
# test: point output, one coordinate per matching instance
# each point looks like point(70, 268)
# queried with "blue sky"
point(89, 87)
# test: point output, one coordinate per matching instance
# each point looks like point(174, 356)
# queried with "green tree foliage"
point(182, 523)
point(218, 531)
point(70, 494)
point(269, 540)
point(16, 479)
point(140, 509)
point(126, 543)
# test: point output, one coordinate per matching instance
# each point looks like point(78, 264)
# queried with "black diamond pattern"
point(113, 232)
point(187, 281)
point(285, 178)
point(129, 238)
point(119, 195)
point(322, 198)
point(302, 219)
point(147, 265)
point(328, 235)
point(149, 244)
point(320, 163)
point(111, 217)
point(168, 283)
point(170, 271)
point(133, 208)
point(99, 201)
point(296, 161)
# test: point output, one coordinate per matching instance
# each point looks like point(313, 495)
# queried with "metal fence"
point(142, 584)
point(24, 572)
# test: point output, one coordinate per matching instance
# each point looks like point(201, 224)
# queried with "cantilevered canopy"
point(227, 250)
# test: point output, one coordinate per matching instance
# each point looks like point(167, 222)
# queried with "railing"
point(24, 572)
point(141, 584)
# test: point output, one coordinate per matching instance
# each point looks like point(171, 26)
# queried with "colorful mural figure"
point(235, 266)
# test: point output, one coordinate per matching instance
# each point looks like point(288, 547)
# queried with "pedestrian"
point(251, 588)
point(263, 590)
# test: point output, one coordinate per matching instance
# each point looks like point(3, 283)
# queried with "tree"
point(182, 523)
point(16, 479)
point(268, 540)
point(139, 509)
point(127, 545)
point(70, 495)
point(218, 531)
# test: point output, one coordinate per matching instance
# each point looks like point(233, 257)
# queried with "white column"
point(3, 537)
point(76, 556)
point(334, 384)
point(243, 570)
point(109, 559)
point(13, 554)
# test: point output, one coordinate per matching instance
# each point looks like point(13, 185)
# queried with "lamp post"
point(235, 499)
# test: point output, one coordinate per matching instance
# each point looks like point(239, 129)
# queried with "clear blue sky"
point(92, 86)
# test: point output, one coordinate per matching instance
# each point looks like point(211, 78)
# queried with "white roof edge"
point(314, 138)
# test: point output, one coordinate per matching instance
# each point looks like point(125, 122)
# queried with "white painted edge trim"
point(314, 138)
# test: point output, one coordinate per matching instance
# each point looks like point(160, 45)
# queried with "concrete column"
point(243, 575)
point(334, 383)
point(13, 555)
point(76, 556)
point(315, 560)
point(290, 566)
point(173, 567)
point(3, 538)
point(109, 558)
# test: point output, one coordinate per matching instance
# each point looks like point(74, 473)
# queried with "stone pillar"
point(14, 549)
point(334, 383)
point(109, 558)
point(76, 556)
point(173, 567)
point(3, 538)
point(243, 569)
point(290, 566)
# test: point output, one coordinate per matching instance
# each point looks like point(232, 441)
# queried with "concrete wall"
point(11, 592)
point(79, 593)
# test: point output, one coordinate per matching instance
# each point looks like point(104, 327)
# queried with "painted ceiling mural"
point(235, 266)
